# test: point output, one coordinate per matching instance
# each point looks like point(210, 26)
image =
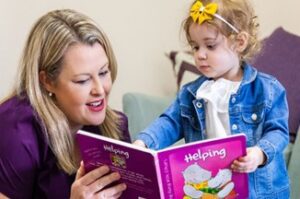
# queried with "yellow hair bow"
point(201, 13)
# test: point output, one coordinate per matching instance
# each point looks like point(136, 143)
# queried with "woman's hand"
point(93, 184)
point(2, 196)
point(249, 163)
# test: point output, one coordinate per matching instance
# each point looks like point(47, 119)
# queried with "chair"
point(280, 58)
point(293, 168)
point(142, 109)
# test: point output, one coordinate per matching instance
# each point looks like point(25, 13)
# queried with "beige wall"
point(141, 31)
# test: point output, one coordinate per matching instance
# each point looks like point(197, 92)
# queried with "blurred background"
point(141, 32)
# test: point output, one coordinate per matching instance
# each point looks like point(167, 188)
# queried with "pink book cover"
point(202, 169)
point(196, 170)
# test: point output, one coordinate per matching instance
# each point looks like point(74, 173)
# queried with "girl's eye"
point(211, 46)
point(195, 48)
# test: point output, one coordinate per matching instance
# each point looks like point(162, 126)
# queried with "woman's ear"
point(46, 82)
point(242, 41)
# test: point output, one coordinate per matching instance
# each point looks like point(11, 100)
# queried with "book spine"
point(165, 177)
point(158, 174)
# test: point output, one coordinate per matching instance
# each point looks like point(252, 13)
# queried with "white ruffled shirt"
point(216, 95)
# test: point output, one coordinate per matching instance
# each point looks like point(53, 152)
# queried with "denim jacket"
point(259, 109)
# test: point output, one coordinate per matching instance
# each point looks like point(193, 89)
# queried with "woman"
point(65, 77)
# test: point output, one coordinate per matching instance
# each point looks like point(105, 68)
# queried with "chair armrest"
point(293, 168)
point(287, 153)
point(142, 109)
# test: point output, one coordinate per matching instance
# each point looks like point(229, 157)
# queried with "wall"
point(141, 32)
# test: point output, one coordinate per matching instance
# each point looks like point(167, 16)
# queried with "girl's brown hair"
point(238, 13)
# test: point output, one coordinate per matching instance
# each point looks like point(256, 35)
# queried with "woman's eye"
point(81, 81)
point(103, 73)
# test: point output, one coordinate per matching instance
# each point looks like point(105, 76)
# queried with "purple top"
point(27, 165)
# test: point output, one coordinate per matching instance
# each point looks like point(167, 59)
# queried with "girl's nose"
point(201, 54)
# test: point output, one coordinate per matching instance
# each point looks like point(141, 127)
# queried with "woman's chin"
point(94, 121)
point(97, 122)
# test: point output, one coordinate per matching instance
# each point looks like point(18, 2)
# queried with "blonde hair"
point(48, 40)
point(238, 13)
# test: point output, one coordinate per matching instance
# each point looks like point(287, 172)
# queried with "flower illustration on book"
point(118, 160)
point(199, 183)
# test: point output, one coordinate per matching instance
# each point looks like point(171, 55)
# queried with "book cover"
point(196, 170)
point(136, 165)
point(202, 169)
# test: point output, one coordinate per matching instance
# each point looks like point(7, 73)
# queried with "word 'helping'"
point(199, 155)
point(111, 148)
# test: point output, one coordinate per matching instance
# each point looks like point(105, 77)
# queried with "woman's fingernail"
point(116, 175)
point(124, 186)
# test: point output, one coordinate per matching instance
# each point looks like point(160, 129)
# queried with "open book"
point(195, 170)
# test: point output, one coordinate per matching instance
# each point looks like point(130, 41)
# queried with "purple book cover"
point(136, 166)
point(202, 169)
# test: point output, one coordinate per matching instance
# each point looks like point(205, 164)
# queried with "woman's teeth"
point(95, 103)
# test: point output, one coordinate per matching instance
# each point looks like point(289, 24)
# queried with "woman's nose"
point(97, 88)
